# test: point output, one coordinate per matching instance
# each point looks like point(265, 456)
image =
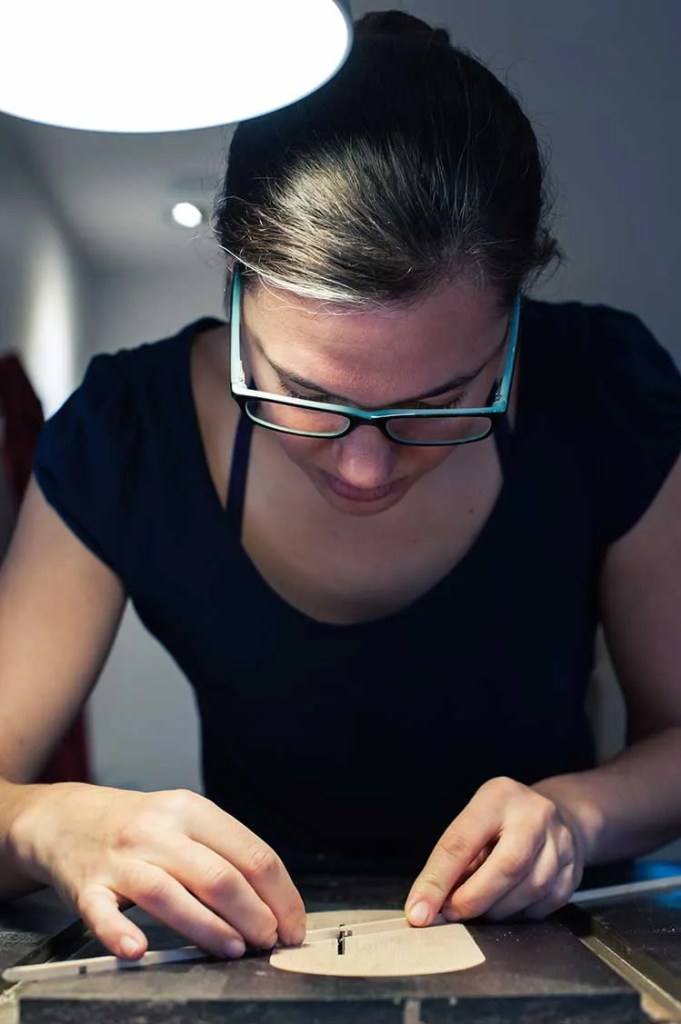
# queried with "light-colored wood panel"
point(396, 953)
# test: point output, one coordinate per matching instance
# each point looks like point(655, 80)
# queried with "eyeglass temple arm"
point(509, 366)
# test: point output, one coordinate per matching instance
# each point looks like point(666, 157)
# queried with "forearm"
point(629, 806)
point(13, 880)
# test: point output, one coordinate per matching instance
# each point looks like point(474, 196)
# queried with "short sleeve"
point(85, 459)
point(638, 416)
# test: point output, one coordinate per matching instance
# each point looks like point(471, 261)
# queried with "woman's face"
point(373, 359)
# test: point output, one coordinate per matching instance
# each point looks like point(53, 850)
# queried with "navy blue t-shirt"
point(355, 745)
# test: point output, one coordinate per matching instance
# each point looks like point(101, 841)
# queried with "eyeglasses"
point(307, 418)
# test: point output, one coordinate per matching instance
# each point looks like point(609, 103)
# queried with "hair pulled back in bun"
point(399, 23)
point(412, 166)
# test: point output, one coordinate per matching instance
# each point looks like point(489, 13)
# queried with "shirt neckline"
point(481, 546)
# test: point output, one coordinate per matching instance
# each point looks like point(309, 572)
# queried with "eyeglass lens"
point(317, 422)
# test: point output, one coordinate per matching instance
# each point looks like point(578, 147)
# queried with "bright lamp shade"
point(159, 66)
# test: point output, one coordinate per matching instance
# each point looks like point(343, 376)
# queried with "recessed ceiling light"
point(186, 215)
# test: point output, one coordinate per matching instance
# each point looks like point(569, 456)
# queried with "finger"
point(446, 910)
point(165, 898)
point(463, 841)
point(536, 885)
point(99, 908)
point(220, 886)
point(262, 868)
point(567, 851)
point(509, 864)
point(566, 882)
point(471, 868)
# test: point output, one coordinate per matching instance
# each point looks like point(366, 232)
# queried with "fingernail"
point(235, 948)
point(129, 946)
point(419, 913)
point(298, 935)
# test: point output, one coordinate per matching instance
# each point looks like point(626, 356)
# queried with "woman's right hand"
point(173, 853)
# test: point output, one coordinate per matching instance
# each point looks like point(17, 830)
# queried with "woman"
point(378, 548)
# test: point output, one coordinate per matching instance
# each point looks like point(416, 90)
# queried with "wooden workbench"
point(566, 970)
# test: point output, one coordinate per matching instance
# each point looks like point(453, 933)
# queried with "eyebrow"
point(452, 385)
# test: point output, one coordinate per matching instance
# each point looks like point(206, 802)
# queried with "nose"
point(365, 458)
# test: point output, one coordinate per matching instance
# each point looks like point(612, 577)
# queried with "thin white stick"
point(627, 889)
point(97, 964)
point(388, 924)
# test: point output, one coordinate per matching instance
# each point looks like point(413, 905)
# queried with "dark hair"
point(413, 165)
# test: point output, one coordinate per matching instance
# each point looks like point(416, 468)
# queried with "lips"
point(362, 494)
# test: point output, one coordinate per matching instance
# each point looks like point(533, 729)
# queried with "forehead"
point(404, 349)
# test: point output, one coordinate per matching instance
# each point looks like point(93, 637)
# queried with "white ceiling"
point(113, 192)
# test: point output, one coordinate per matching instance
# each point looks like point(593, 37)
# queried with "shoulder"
point(94, 454)
point(605, 357)
point(616, 388)
point(606, 380)
point(601, 334)
point(585, 323)
point(124, 388)
point(148, 358)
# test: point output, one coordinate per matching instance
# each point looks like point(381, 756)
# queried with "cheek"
point(423, 460)
point(301, 450)
point(416, 461)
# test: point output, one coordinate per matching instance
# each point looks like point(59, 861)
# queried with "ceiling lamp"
point(156, 66)
point(187, 215)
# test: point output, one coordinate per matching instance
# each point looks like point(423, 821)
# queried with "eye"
point(451, 403)
point(287, 390)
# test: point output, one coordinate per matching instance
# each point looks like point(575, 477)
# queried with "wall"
point(42, 279)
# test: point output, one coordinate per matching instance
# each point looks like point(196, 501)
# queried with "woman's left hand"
point(511, 850)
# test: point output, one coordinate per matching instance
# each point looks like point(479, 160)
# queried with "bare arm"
point(632, 804)
point(522, 849)
point(174, 853)
point(60, 607)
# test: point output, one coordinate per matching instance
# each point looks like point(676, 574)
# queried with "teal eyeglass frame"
point(242, 394)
